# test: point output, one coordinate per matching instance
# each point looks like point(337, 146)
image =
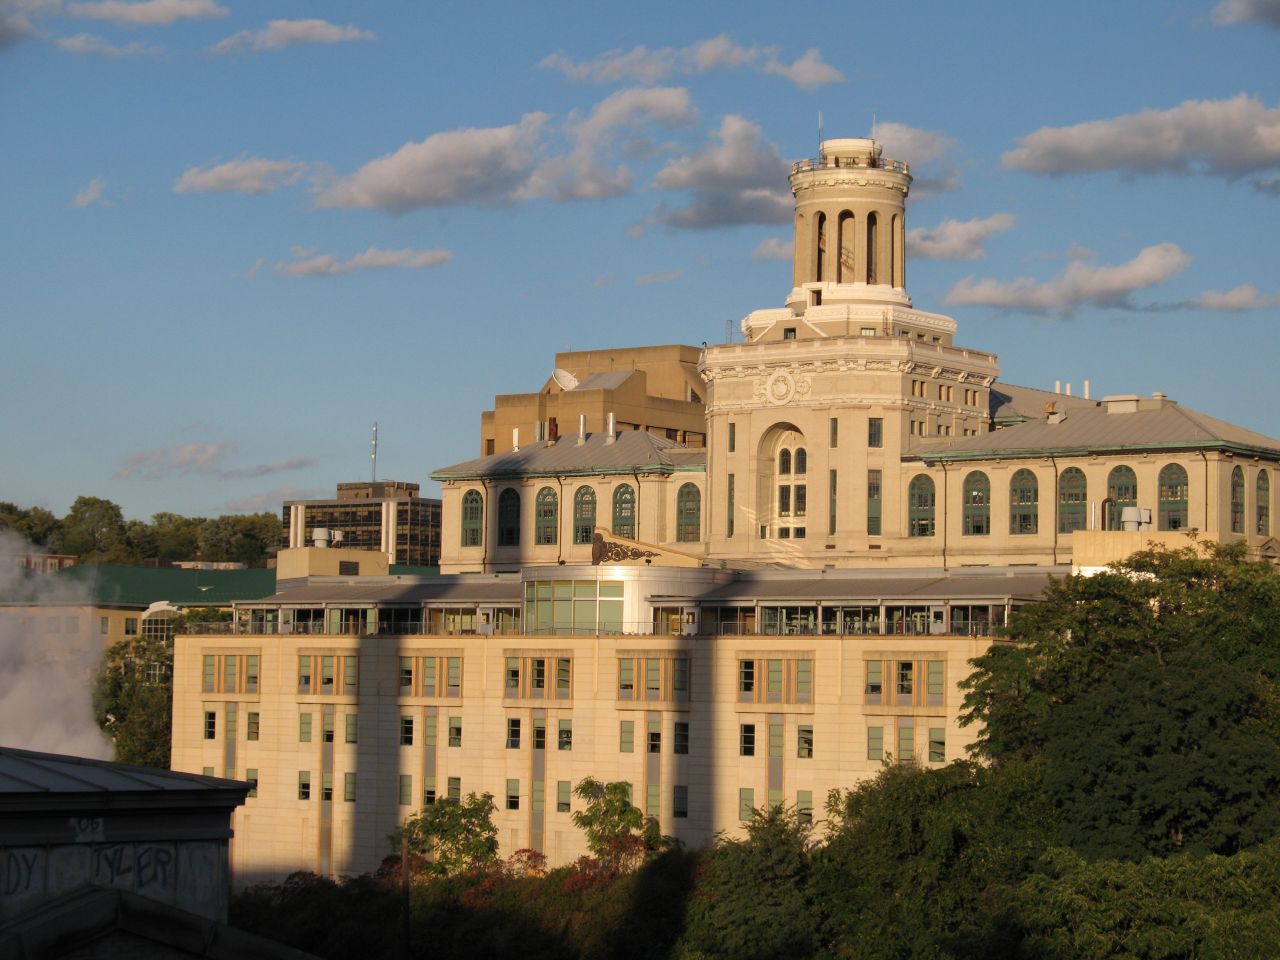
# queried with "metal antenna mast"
point(373, 455)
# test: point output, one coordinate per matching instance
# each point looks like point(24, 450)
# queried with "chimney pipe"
point(1086, 389)
point(610, 434)
point(515, 438)
point(1057, 386)
point(582, 429)
point(1068, 389)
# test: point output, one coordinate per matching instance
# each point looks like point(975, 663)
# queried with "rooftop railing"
point(827, 163)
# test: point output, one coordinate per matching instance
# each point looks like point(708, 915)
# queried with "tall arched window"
point(920, 506)
point(472, 518)
point(1122, 491)
point(784, 463)
point(1024, 503)
point(1264, 504)
point(845, 268)
point(1173, 497)
point(584, 515)
point(688, 514)
point(801, 460)
point(509, 518)
point(977, 505)
point(871, 248)
point(820, 229)
point(1073, 500)
point(624, 511)
point(1237, 500)
point(546, 517)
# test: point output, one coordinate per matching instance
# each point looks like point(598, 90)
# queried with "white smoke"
point(50, 649)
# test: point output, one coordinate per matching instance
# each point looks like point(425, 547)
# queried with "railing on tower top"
point(819, 163)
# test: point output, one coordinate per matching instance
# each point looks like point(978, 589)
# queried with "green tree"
point(133, 699)
point(94, 531)
point(36, 524)
point(451, 836)
point(618, 833)
point(176, 537)
point(728, 916)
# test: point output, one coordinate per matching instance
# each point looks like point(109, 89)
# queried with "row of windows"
point(906, 742)
point(328, 674)
point(546, 524)
point(431, 676)
point(775, 680)
point(653, 678)
point(231, 673)
point(904, 688)
point(252, 726)
point(776, 732)
point(797, 461)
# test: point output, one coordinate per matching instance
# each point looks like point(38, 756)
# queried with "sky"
point(236, 234)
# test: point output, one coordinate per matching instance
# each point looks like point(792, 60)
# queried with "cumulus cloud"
point(642, 65)
point(92, 193)
point(1222, 138)
point(207, 459)
point(1266, 12)
point(773, 248)
point(734, 180)
point(309, 264)
point(956, 239)
point(646, 279)
point(246, 175)
point(148, 13)
point(1236, 300)
point(484, 166)
point(14, 28)
point(84, 43)
point(926, 151)
point(284, 33)
point(1081, 283)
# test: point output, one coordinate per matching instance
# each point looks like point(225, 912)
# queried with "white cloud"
point(13, 30)
point(1229, 12)
point(253, 270)
point(734, 180)
point(1244, 297)
point(773, 248)
point(921, 149)
point(476, 166)
point(247, 175)
point(84, 43)
point(284, 33)
point(956, 239)
point(1079, 284)
point(199, 458)
point(307, 264)
point(642, 65)
point(807, 72)
point(148, 12)
point(1222, 138)
point(648, 279)
point(91, 194)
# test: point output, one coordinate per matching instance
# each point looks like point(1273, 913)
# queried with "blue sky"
point(235, 234)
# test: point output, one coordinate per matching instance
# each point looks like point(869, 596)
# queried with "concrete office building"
point(755, 619)
point(386, 515)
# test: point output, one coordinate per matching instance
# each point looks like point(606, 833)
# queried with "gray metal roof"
point(632, 451)
point(833, 586)
point(1011, 402)
point(28, 773)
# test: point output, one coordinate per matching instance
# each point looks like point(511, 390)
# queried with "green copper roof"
point(112, 584)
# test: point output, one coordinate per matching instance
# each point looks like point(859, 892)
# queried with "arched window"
point(546, 517)
point(688, 514)
point(1024, 503)
point(472, 518)
point(1237, 500)
point(784, 463)
point(801, 460)
point(871, 248)
point(845, 268)
point(893, 251)
point(509, 518)
point(821, 240)
point(1173, 498)
point(1073, 500)
point(920, 507)
point(977, 505)
point(1122, 491)
point(624, 511)
point(584, 515)
point(1264, 504)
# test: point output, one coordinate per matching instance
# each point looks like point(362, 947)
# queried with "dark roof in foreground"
point(31, 774)
point(633, 451)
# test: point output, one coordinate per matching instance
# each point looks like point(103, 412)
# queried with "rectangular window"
point(428, 791)
point(937, 745)
point(210, 725)
point(804, 681)
point(784, 500)
point(429, 730)
point(875, 432)
point(906, 742)
point(681, 738)
point(353, 728)
point(733, 436)
point(535, 795)
point(746, 804)
point(429, 676)
point(304, 784)
point(728, 531)
point(406, 731)
point(776, 733)
point(251, 674)
point(130, 626)
point(453, 667)
point(775, 677)
point(304, 674)
point(455, 731)
point(775, 799)
point(680, 802)
point(350, 675)
point(304, 728)
point(804, 742)
point(746, 677)
point(539, 734)
point(804, 806)
point(252, 776)
point(326, 727)
point(326, 786)
point(538, 683)
point(626, 678)
point(905, 683)
point(455, 789)
point(875, 680)
point(680, 676)
point(406, 789)
point(210, 669)
point(934, 682)
point(875, 743)
point(563, 674)
point(104, 625)
point(652, 799)
point(349, 787)
point(747, 740)
point(801, 503)
point(655, 736)
point(835, 433)
point(406, 676)
point(513, 794)
point(563, 793)
point(326, 674)
point(873, 503)
point(251, 728)
point(831, 503)
point(652, 677)
point(564, 738)
point(513, 676)
point(626, 736)
point(513, 733)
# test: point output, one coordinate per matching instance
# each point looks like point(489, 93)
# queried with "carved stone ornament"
point(781, 387)
point(610, 551)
